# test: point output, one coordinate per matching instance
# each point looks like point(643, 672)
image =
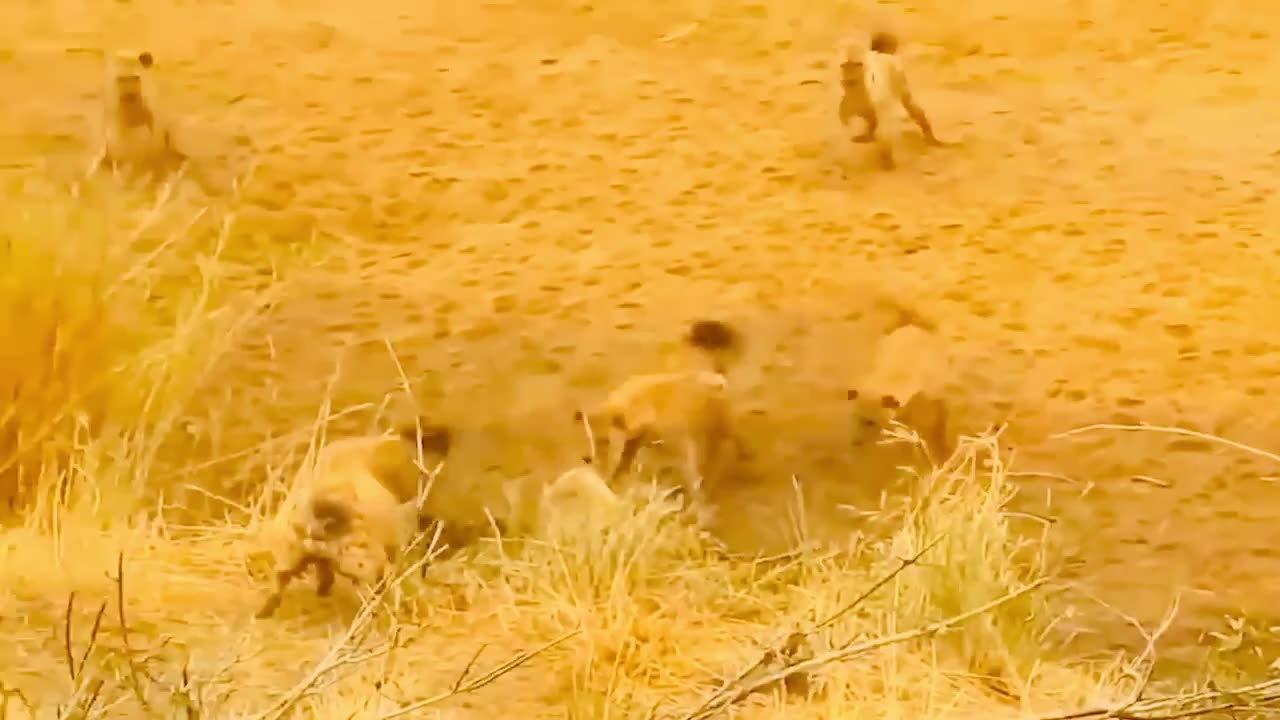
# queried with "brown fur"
point(905, 386)
point(686, 410)
point(343, 514)
point(858, 99)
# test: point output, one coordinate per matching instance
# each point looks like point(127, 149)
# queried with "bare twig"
point(7, 694)
point(1147, 663)
point(466, 670)
point(460, 689)
point(730, 695)
point(1149, 654)
point(902, 565)
point(1252, 697)
point(93, 637)
point(680, 32)
point(1171, 431)
point(66, 636)
point(1041, 475)
point(124, 632)
point(787, 649)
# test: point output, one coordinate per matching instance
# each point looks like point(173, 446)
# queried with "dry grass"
point(114, 309)
point(112, 611)
point(114, 305)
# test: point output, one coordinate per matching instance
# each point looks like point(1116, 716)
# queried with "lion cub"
point(905, 384)
point(687, 411)
point(134, 138)
point(346, 511)
point(874, 83)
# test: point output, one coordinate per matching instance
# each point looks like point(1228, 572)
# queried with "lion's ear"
point(889, 402)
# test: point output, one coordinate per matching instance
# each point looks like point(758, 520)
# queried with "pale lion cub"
point(346, 511)
point(906, 384)
point(134, 138)
point(688, 411)
point(874, 85)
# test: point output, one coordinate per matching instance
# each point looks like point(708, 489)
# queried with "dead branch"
point(791, 644)
point(466, 669)
point(731, 695)
point(66, 636)
point(460, 689)
point(124, 632)
point(1171, 431)
point(7, 694)
point(902, 565)
point(1262, 695)
point(74, 669)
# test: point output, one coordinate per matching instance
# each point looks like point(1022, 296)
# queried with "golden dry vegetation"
point(491, 212)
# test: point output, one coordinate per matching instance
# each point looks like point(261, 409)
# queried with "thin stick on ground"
point(124, 633)
point(466, 669)
point(902, 566)
point(1147, 662)
point(1264, 695)
point(794, 639)
point(459, 689)
point(1149, 654)
point(66, 636)
point(7, 694)
point(731, 695)
point(1170, 431)
point(83, 697)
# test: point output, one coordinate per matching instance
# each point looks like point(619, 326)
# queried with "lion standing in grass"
point(906, 384)
point(687, 411)
point(135, 139)
point(346, 511)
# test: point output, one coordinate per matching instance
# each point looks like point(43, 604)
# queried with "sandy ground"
point(530, 199)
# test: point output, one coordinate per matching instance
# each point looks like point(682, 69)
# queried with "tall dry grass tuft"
point(66, 328)
point(979, 557)
point(621, 609)
point(110, 315)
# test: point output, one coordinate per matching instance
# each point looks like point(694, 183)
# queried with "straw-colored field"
point(509, 206)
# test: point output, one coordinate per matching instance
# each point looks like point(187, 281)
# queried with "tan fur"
point(578, 506)
point(685, 411)
point(349, 511)
point(906, 385)
point(580, 485)
point(135, 138)
point(873, 83)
